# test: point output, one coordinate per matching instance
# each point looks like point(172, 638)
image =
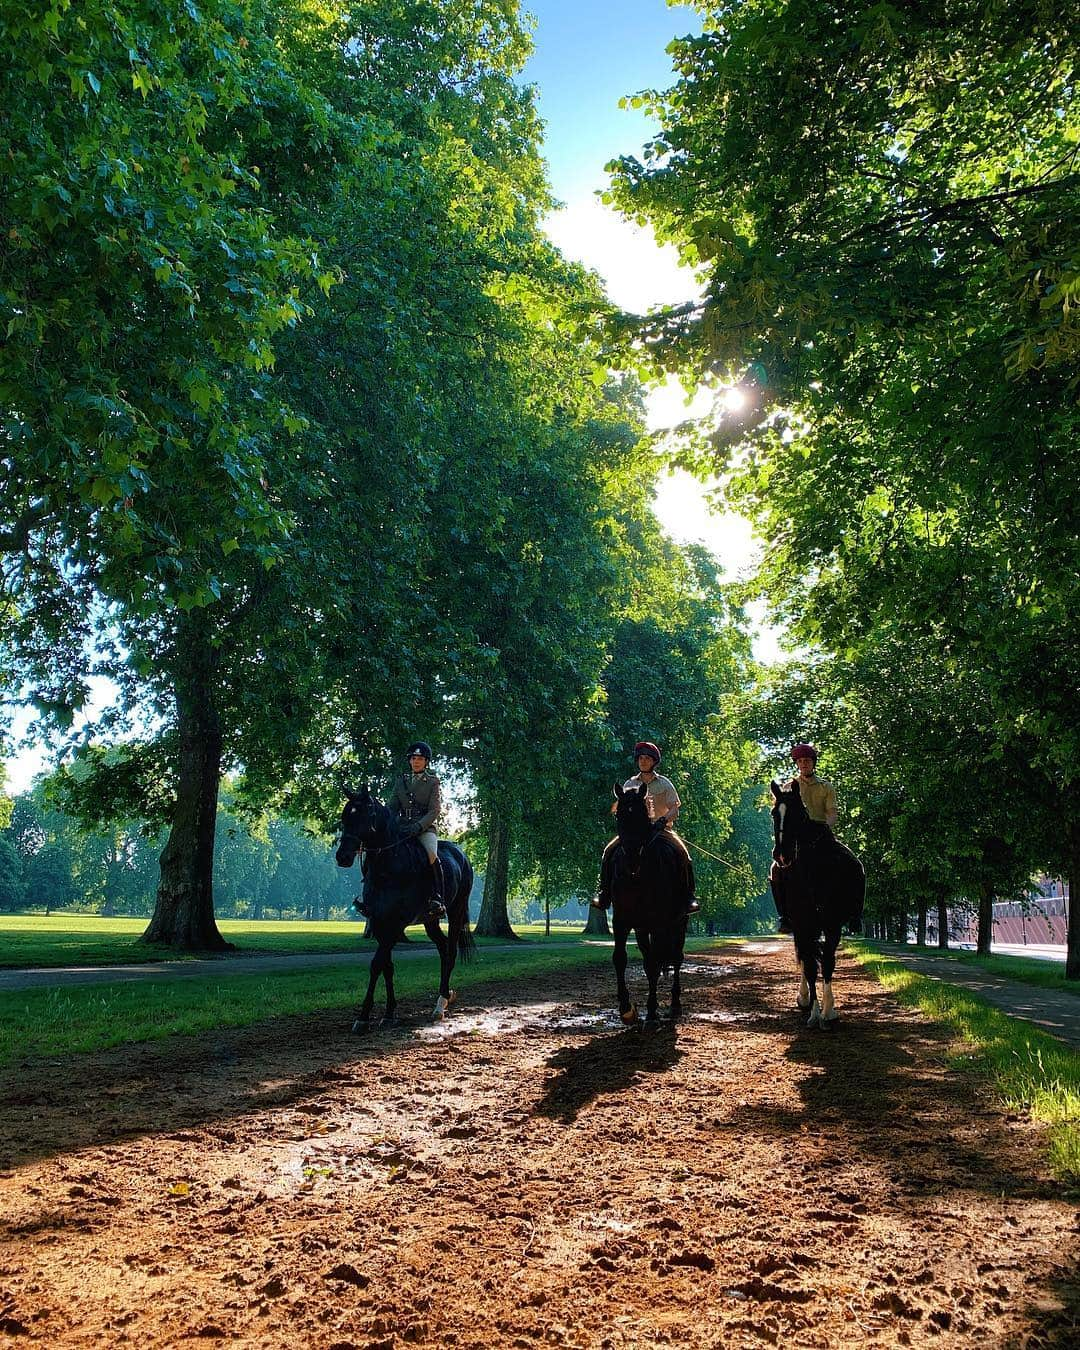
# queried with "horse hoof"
point(390, 1020)
point(629, 1017)
point(442, 1006)
point(814, 1019)
point(828, 1020)
point(361, 1026)
point(802, 1003)
point(452, 998)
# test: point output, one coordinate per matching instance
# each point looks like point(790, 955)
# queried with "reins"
point(734, 867)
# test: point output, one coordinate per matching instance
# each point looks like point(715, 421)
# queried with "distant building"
point(1041, 918)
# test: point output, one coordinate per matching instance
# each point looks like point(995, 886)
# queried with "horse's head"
point(360, 824)
point(632, 822)
point(790, 819)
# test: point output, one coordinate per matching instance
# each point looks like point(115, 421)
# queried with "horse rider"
point(417, 798)
point(662, 803)
point(818, 797)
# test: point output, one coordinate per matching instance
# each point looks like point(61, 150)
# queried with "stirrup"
point(597, 903)
point(361, 907)
point(692, 906)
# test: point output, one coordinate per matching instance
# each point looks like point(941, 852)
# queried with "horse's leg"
point(447, 949)
point(627, 1011)
point(363, 1016)
point(676, 986)
point(652, 973)
point(802, 998)
point(806, 950)
point(391, 998)
point(830, 942)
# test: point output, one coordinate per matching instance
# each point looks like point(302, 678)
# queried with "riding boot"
point(361, 906)
point(436, 905)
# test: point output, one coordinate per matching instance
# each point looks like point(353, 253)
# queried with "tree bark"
point(493, 920)
point(184, 913)
point(943, 923)
point(920, 926)
point(986, 918)
point(596, 925)
point(1072, 909)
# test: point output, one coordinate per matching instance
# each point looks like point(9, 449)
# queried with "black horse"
point(397, 887)
point(650, 889)
point(820, 885)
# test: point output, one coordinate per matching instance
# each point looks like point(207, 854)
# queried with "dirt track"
point(532, 1174)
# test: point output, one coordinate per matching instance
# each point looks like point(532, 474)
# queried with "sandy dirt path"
point(530, 1174)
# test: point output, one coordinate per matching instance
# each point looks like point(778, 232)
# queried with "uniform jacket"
point(418, 797)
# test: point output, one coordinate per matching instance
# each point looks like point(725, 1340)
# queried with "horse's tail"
point(466, 940)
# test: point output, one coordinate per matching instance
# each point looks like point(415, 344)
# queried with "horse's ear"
point(618, 791)
point(348, 791)
point(363, 794)
point(775, 789)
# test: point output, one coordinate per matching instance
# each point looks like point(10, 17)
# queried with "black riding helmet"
point(419, 748)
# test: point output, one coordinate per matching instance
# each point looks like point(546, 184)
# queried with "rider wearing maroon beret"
point(662, 803)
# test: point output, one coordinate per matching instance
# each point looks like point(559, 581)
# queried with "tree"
point(884, 202)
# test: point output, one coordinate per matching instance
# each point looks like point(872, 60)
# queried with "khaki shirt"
point(662, 799)
point(418, 796)
point(819, 798)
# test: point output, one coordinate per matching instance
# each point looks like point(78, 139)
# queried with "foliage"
point(883, 202)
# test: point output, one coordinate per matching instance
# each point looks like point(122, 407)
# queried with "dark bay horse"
point(820, 885)
point(649, 892)
point(396, 888)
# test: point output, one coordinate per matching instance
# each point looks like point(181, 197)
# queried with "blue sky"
point(588, 54)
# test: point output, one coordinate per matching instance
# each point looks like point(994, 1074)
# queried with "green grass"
point(44, 1023)
point(89, 940)
point(1024, 1068)
point(1024, 969)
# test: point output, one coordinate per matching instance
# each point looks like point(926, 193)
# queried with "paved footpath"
point(1052, 1010)
point(56, 977)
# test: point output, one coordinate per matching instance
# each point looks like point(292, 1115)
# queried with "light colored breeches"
point(430, 841)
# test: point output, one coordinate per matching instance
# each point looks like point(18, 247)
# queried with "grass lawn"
point(89, 940)
point(1024, 969)
point(41, 1023)
point(1024, 1068)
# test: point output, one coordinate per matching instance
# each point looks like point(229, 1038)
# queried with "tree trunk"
point(184, 913)
point(986, 918)
point(920, 925)
point(1072, 909)
point(493, 920)
point(943, 924)
point(596, 925)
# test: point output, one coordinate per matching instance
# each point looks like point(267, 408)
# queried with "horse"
point(397, 887)
point(649, 892)
point(820, 885)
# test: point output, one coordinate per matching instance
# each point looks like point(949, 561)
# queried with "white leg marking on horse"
point(441, 1005)
point(815, 1015)
point(803, 999)
point(828, 1006)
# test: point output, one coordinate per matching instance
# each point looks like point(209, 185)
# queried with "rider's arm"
point(832, 812)
point(434, 807)
point(668, 804)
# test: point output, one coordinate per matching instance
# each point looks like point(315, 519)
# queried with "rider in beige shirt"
point(662, 803)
